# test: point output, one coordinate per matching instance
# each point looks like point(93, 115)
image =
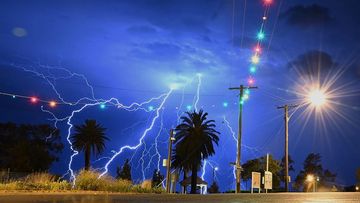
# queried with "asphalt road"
point(150, 198)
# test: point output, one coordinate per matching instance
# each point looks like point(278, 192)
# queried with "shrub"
point(37, 181)
point(41, 178)
point(120, 186)
point(146, 184)
point(88, 180)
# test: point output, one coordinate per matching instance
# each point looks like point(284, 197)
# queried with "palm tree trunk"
point(87, 158)
point(185, 186)
point(193, 179)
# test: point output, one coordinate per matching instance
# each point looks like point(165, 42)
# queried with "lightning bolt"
point(197, 96)
point(208, 162)
point(141, 138)
point(146, 151)
point(233, 135)
point(204, 169)
point(181, 104)
point(46, 73)
point(80, 104)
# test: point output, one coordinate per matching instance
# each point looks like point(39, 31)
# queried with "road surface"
point(150, 198)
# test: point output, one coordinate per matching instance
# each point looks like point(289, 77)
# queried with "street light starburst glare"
point(317, 97)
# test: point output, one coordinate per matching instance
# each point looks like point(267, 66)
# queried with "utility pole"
point(286, 118)
point(168, 163)
point(238, 157)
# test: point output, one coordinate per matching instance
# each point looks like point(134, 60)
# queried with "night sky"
point(135, 50)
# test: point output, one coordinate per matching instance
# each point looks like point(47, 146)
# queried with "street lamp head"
point(317, 97)
point(310, 178)
point(216, 168)
point(357, 188)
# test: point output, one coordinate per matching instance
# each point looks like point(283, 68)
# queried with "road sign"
point(165, 162)
point(268, 180)
point(255, 180)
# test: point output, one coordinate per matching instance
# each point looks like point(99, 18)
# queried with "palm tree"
point(178, 163)
point(89, 137)
point(194, 143)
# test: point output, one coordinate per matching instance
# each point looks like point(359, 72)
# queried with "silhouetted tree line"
point(28, 148)
point(124, 172)
point(312, 166)
point(259, 165)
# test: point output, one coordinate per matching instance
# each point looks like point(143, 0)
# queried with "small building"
point(201, 185)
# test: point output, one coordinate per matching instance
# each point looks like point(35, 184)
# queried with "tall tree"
point(27, 148)
point(259, 165)
point(312, 166)
point(89, 137)
point(274, 168)
point(124, 172)
point(194, 142)
point(157, 179)
point(250, 166)
point(282, 165)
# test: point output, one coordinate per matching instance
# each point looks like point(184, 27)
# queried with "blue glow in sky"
point(135, 50)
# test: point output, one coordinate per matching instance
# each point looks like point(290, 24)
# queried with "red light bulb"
point(268, 2)
point(257, 49)
point(251, 81)
point(34, 100)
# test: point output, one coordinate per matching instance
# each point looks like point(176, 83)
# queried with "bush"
point(41, 178)
point(88, 180)
point(146, 184)
point(37, 181)
point(10, 186)
point(121, 186)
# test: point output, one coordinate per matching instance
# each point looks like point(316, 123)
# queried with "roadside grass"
point(85, 181)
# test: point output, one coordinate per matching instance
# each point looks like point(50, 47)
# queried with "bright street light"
point(317, 97)
point(310, 178)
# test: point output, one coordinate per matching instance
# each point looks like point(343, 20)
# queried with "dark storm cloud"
point(141, 29)
point(306, 16)
point(313, 62)
point(178, 16)
point(156, 51)
point(206, 38)
point(162, 48)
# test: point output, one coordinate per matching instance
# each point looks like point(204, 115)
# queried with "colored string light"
point(34, 100)
point(52, 104)
point(255, 59)
point(252, 69)
point(260, 38)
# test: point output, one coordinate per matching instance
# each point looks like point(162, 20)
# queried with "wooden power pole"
point(286, 119)
point(168, 161)
point(238, 155)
